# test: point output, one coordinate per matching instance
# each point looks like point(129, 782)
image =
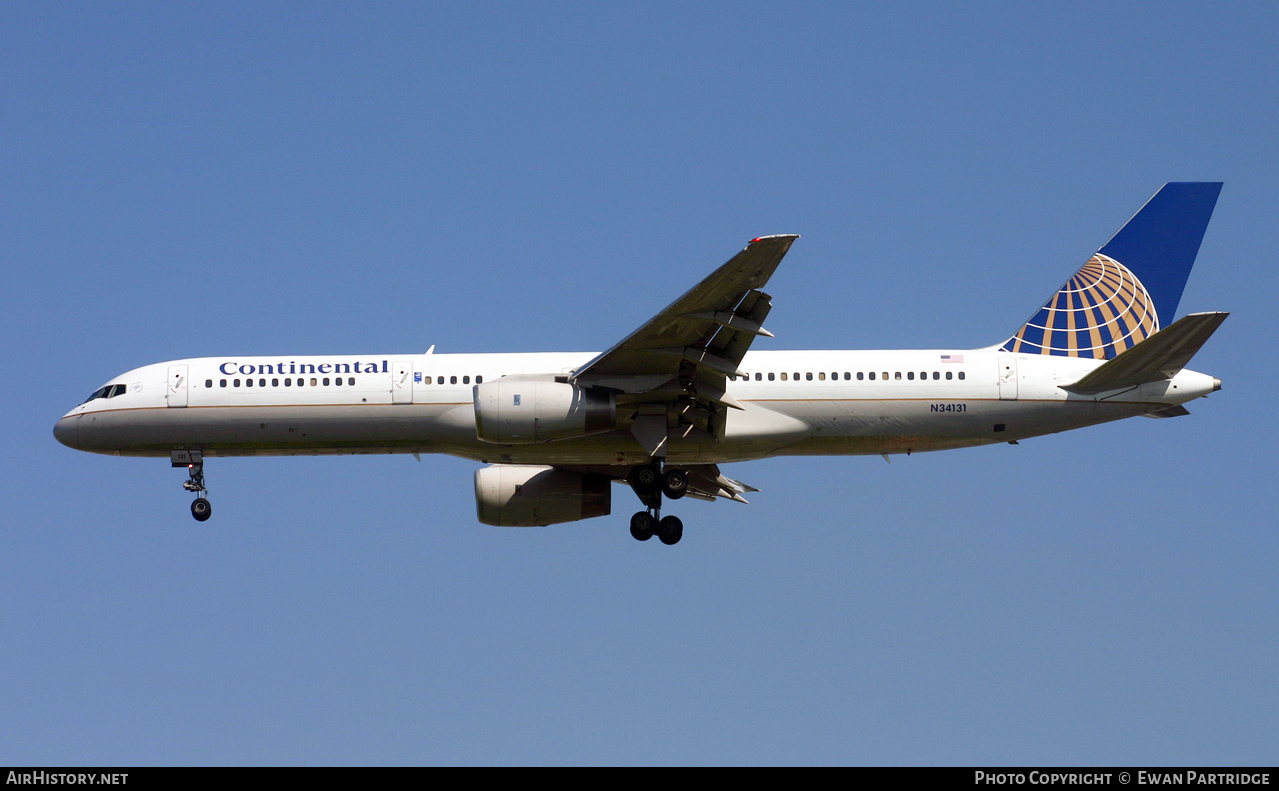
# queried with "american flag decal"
point(952, 358)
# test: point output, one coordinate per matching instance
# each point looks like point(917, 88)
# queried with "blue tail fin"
point(1131, 287)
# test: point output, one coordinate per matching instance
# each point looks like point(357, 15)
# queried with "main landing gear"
point(193, 460)
point(650, 482)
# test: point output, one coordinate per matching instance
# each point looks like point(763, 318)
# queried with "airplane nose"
point(65, 431)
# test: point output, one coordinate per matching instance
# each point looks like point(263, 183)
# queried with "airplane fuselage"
point(794, 403)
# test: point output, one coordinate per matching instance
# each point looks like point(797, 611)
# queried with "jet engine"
point(520, 411)
point(517, 495)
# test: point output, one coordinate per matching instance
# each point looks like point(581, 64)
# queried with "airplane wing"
point(679, 361)
point(705, 482)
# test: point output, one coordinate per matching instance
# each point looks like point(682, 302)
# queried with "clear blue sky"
point(180, 180)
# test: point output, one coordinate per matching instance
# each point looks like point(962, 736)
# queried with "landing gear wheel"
point(201, 509)
point(642, 526)
point(675, 484)
point(670, 530)
point(645, 479)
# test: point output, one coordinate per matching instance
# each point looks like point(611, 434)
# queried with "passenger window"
point(313, 382)
point(783, 376)
point(479, 380)
point(758, 377)
point(350, 381)
point(910, 375)
point(288, 382)
point(885, 377)
point(452, 380)
point(248, 382)
point(208, 383)
point(466, 380)
point(221, 383)
point(440, 381)
point(896, 375)
point(808, 376)
point(936, 375)
point(821, 376)
point(797, 376)
point(860, 376)
point(872, 376)
point(961, 374)
point(770, 376)
point(948, 374)
point(261, 383)
point(326, 381)
point(275, 382)
point(235, 382)
point(338, 381)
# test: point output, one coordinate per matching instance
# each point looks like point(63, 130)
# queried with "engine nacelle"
point(519, 411)
point(519, 495)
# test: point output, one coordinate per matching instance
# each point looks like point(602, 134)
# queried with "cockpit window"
point(110, 391)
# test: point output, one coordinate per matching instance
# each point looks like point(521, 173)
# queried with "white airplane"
point(662, 409)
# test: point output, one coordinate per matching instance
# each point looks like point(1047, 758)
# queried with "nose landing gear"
point(193, 460)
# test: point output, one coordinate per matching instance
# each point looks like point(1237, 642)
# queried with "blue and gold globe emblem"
point(1101, 311)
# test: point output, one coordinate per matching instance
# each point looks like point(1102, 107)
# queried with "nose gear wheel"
point(201, 509)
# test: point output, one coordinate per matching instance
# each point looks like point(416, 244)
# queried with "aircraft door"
point(1007, 378)
point(176, 393)
point(402, 383)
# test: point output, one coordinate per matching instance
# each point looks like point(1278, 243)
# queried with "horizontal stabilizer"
point(1159, 357)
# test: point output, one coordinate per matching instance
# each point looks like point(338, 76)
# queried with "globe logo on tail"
point(1101, 311)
